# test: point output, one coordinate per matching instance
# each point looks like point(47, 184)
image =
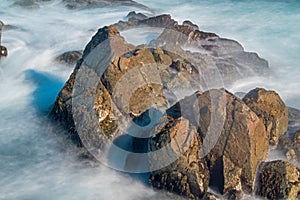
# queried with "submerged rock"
point(271, 109)
point(290, 145)
point(29, 4)
point(278, 180)
point(69, 58)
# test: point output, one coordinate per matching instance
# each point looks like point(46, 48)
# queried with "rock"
point(69, 58)
point(133, 16)
point(190, 24)
point(210, 196)
point(188, 175)
point(29, 4)
point(115, 64)
point(233, 195)
point(271, 109)
point(83, 4)
point(278, 180)
point(103, 47)
point(226, 59)
point(242, 143)
point(3, 49)
point(139, 20)
point(232, 155)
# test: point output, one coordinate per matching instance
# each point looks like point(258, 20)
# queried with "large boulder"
point(271, 109)
point(214, 128)
point(278, 180)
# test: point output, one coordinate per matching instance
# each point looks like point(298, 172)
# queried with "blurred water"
point(33, 163)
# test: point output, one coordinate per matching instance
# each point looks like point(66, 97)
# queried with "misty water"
point(35, 163)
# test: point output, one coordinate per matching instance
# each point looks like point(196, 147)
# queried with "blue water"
point(34, 163)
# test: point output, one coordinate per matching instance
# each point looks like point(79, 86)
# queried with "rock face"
point(278, 180)
point(232, 156)
point(271, 109)
point(69, 58)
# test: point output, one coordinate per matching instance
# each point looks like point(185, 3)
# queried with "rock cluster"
point(194, 137)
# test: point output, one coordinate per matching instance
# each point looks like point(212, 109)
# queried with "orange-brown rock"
point(271, 109)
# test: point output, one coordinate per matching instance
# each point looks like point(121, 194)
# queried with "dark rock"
point(69, 58)
point(233, 195)
point(133, 16)
point(29, 4)
point(190, 24)
point(271, 109)
point(278, 180)
point(210, 196)
point(83, 4)
point(3, 50)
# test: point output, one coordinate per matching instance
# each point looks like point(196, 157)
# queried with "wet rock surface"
point(278, 180)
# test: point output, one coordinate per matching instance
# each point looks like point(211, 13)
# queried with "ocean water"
point(34, 162)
